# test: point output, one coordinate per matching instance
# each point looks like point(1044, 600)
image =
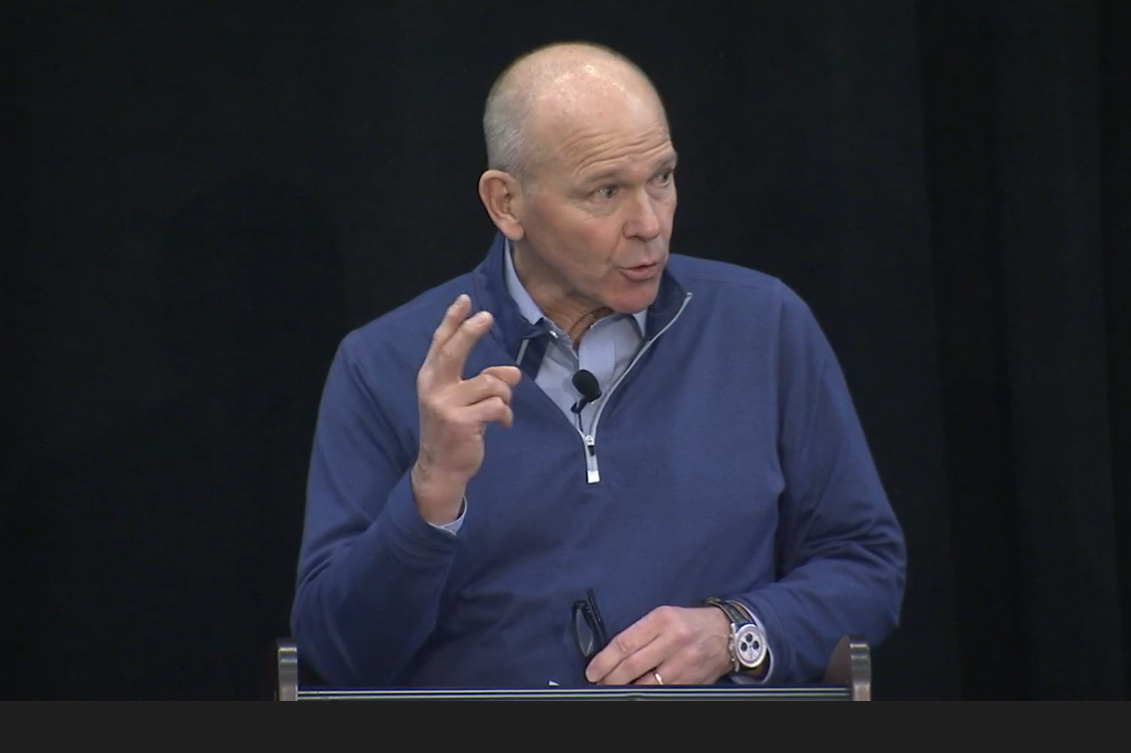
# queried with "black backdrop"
point(200, 202)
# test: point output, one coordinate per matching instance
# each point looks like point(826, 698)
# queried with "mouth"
point(642, 272)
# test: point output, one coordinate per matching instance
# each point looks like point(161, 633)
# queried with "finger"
point(656, 676)
point(619, 663)
point(509, 374)
point(639, 664)
point(449, 359)
point(455, 313)
point(482, 387)
point(491, 410)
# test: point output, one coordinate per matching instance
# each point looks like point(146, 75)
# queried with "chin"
point(635, 301)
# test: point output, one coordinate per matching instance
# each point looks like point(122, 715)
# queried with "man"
point(598, 440)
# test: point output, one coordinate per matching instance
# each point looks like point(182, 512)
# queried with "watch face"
point(749, 646)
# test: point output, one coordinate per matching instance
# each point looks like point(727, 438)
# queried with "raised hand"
point(454, 412)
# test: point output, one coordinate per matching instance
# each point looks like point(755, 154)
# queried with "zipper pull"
point(591, 443)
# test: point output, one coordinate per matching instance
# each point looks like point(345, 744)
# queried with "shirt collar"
point(529, 309)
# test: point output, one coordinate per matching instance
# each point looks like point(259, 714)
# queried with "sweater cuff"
point(415, 539)
point(453, 527)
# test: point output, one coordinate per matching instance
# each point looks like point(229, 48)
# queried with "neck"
point(573, 314)
point(582, 324)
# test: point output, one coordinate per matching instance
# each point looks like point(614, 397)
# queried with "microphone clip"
point(589, 388)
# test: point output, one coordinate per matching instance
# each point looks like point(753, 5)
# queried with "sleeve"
point(840, 551)
point(371, 570)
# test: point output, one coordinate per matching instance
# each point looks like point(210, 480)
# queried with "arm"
point(841, 555)
point(371, 570)
point(374, 559)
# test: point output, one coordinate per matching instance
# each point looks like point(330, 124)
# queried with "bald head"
point(559, 81)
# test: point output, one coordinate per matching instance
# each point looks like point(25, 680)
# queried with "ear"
point(502, 198)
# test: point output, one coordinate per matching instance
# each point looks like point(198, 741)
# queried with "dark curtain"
point(198, 203)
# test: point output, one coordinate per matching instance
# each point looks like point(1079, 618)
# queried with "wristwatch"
point(748, 647)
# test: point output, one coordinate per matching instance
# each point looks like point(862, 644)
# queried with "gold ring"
point(659, 680)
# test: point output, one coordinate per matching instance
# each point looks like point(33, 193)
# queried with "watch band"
point(730, 610)
point(748, 649)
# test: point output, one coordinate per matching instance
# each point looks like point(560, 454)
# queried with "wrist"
point(720, 627)
point(438, 495)
point(764, 667)
point(747, 644)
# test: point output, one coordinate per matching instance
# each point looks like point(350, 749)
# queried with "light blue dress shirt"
point(607, 349)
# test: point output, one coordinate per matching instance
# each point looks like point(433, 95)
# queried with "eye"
point(605, 192)
point(665, 177)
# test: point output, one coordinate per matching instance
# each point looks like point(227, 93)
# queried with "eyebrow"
point(668, 163)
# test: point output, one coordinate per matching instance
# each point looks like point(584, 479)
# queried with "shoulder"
point(727, 285)
point(744, 302)
point(404, 333)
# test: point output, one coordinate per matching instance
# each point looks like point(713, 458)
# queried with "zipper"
point(592, 472)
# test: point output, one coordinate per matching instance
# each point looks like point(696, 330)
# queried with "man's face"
point(597, 215)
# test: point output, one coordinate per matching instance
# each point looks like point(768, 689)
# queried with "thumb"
point(509, 374)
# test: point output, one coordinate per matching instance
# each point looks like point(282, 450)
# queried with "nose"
point(644, 219)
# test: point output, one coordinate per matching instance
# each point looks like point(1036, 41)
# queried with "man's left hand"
point(667, 646)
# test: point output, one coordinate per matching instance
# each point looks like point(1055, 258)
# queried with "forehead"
point(603, 133)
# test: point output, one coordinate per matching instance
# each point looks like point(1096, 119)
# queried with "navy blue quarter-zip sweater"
point(729, 462)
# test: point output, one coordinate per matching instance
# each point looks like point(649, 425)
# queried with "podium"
point(848, 677)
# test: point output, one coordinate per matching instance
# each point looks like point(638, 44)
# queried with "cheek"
point(667, 211)
point(596, 244)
